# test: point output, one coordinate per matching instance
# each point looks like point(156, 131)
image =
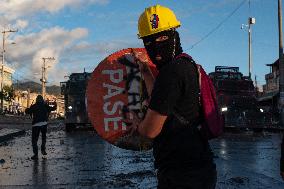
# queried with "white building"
point(7, 79)
point(7, 75)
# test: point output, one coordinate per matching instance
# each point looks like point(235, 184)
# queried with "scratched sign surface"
point(116, 88)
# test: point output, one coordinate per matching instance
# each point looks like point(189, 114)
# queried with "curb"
point(8, 134)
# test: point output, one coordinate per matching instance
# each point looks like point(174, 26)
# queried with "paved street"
point(83, 160)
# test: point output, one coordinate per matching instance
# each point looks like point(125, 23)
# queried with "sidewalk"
point(13, 126)
point(7, 134)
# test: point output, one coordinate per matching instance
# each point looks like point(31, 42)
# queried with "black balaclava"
point(167, 49)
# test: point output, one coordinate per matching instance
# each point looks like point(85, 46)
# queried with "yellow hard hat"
point(156, 19)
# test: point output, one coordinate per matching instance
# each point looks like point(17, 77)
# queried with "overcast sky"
point(81, 33)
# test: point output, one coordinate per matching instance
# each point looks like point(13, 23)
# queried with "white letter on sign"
point(112, 73)
point(112, 90)
point(114, 109)
point(115, 121)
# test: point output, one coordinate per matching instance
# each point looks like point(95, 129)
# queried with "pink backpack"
point(213, 122)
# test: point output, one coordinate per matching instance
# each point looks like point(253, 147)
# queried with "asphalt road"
point(83, 160)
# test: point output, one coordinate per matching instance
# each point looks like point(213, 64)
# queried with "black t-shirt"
point(40, 112)
point(176, 89)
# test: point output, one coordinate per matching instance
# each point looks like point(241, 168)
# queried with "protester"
point(183, 157)
point(39, 112)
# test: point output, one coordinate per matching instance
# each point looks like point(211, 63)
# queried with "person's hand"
point(282, 175)
point(132, 121)
point(143, 61)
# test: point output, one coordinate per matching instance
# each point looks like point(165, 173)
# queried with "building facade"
point(270, 95)
point(7, 75)
point(24, 99)
point(7, 80)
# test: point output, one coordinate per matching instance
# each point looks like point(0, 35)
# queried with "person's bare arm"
point(149, 127)
point(149, 80)
point(152, 125)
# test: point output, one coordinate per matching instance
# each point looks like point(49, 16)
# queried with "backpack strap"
point(184, 55)
point(181, 119)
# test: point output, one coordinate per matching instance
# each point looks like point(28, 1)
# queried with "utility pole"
point(43, 75)
point(3, 62)
point(281, 66)
point(28, 98)
point(251, 21)
point(255, 81)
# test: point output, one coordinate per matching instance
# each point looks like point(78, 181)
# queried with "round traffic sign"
point(116, 88)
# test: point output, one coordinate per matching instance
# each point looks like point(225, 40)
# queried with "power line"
point(24, 78)
point(249, 8)
point(265, 44)
point(219, 25)
point(21, 73)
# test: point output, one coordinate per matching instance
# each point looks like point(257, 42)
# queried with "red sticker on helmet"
point(154, 21)
point(115, 89)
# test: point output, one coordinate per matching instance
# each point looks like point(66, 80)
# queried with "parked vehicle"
point(237, 98)
point(74, 91)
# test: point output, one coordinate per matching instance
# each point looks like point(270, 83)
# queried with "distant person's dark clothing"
point(39, 112)
point(35, 135)
point(182, 155)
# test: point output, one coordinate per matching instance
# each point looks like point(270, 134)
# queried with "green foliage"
point(8, 93)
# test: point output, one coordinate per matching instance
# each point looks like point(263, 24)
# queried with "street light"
point(251, 21)
point(3, 62)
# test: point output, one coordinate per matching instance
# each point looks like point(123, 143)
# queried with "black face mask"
point(167, 49)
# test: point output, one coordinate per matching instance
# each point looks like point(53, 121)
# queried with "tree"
point(8, 93)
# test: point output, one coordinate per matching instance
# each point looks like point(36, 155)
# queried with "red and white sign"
point(115, 88)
